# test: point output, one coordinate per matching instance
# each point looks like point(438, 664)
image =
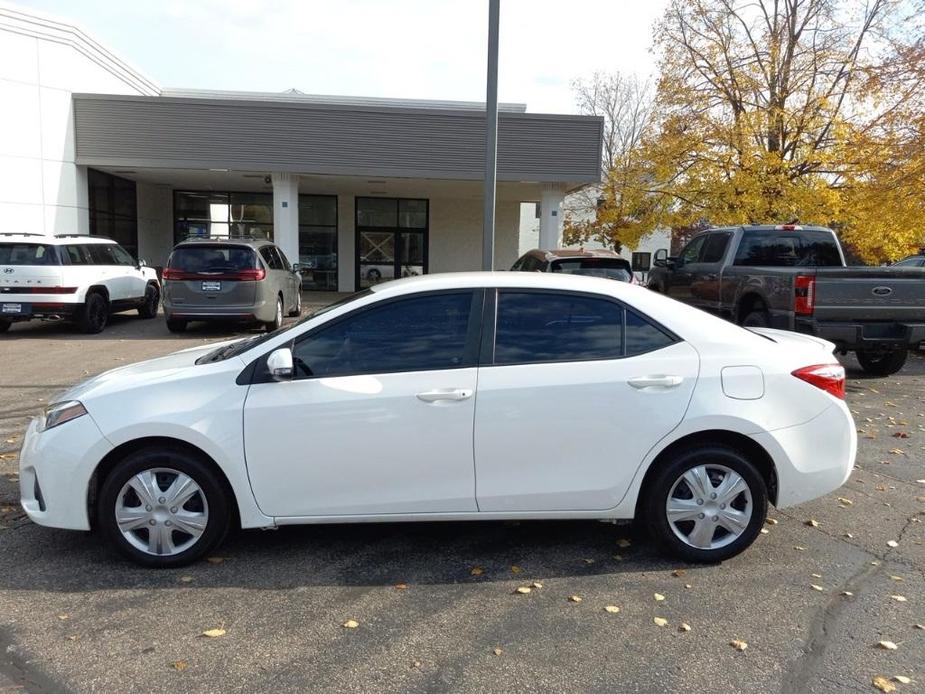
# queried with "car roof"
point(558, 253)
point(249, 242)
point(59, 240)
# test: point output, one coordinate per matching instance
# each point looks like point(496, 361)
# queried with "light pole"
point(491, 137)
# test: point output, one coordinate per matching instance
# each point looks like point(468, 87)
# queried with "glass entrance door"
point(391, 239)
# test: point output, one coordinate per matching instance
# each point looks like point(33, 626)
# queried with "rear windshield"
point(609, 268)
point(789, 248)
point(27, 254)
point(212, 258)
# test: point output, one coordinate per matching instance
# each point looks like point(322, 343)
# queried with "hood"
point(137, 374)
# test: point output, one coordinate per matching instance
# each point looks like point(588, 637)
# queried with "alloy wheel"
point(161, 511)
point(709, 506)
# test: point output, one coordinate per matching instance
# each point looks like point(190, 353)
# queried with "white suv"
point(72, 277)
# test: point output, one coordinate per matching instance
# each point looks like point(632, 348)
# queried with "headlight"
point(61, 412)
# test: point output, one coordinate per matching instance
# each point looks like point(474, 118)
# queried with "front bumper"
point(55, 468)
point(874, 336)
point(814, 458)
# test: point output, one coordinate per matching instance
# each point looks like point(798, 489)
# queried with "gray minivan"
point(241, 280)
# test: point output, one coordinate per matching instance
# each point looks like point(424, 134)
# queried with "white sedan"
point(452, 397)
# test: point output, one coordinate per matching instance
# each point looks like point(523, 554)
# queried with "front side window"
point(691, 251)
point(422, 333)
point(108, 254)
point(715, 247)
point(27, 254)
point(534, 327)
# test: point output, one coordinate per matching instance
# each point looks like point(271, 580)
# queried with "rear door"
point(681, 276)
point(25, 267)
point(707, 272)
point(212, 274)
point(573, 392)
point(108, 271)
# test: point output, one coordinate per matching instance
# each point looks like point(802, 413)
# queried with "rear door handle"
point(660, 381)
point(445, 394)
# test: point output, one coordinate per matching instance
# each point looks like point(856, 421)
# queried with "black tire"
point(373, 275)
point(93, 316)
point(176, 326)
point(882, 363)
point(213, 488)
point(278, 316)
point(5, 325)
point(757, 318)
point(657, 492)
point(297, 309)
point(152, 300)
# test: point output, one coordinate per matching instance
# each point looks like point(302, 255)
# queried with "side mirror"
point(279, 363)
point(142, 263)
point(660, 259)
point(297, 267)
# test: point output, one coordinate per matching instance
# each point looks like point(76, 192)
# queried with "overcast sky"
point(431, 49)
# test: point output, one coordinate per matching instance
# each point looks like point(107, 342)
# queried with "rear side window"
point(537, 327)
point(788, 249)
point(27, 254)
point(915, 261)
point(77, 255)
point(608, 268)
point(270, 258)
point(417, 334)
point(714, 248)
point(212, 258)
point(642, 336)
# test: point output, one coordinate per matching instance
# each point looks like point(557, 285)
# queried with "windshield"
point(212, 258)
point(608, 268)
point(27, 254)
point(248, 343)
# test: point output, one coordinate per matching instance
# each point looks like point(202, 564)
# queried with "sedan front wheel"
point(706, 504)
point(163, 507)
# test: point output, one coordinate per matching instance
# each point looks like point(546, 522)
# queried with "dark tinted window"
point(107, 254)
point(417, 334)
point(715, 247)
point(212, 258)
point(788, 248)
point(542, 327)
point(27, 254)
point(272, 260)
point(914, 261)
point(642, 336)
point(691, 251)
point(609, 268)
point(78, 255)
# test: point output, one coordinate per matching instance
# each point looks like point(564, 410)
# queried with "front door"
point(682, 275)
point(379, 417)
point(579, 391)
point(391, 239)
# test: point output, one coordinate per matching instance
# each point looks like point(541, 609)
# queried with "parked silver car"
point(241, 280)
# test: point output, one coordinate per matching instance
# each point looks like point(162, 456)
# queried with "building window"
point(210, 214)
point(318, 241)
point(113, 209)
point(391, 239)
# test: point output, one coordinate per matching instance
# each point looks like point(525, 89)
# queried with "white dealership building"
point(356, 189)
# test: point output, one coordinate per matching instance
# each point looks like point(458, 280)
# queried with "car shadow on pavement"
point(349, 555)
point(129, 327)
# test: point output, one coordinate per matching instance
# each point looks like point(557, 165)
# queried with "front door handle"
point(661, 381)
point(445, 394)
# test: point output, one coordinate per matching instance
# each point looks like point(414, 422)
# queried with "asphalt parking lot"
point(436, 605)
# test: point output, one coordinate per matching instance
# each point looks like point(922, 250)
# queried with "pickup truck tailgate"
point(870, 294)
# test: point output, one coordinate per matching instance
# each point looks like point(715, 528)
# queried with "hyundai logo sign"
point(882, 291)
point(8, 270)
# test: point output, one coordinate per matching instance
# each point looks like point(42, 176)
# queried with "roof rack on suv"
point(83, 236)
point(20, 233)
point(246, 237)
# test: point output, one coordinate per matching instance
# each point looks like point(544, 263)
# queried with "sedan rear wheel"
point(163, 508)
point(707, 504)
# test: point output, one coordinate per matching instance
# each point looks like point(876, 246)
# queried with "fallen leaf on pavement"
point(516, 569)
point(847, 593)
point(612, 609)
point(684, 627)
point(738, 644)
point(350, 624)
point(623, 543)
point(815, 587)
point(845, 502)
point(887, 645)
point(660, 621)
point(812, 523)
point(770, 521)
point(62, 617)
point(658, 597)
point(523, 590)
point(799, 548)
point(902, 679)
point(920, 626)
point(179, 665)
point(536, 584)
point(677, 573)
point(899, 598)
point(892, 543)
point(574, 598)
point(401, 586)
point(497, 651)
point(897, 578)
point(215, 560)
point(213, 633)
point(476, 571)
point(883, 684)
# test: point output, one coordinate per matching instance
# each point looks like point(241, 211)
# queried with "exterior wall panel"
point(324, 139)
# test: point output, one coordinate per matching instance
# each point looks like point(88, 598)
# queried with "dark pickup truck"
point(795, 278)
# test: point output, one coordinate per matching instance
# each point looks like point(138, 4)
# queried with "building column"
point(346, 243)
point(286, 214)
point(551, 217)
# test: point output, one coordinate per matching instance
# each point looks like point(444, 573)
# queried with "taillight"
point(171, 274)
point(828, 377)
point(255, 275)
point(804, 295)
point(249, 275)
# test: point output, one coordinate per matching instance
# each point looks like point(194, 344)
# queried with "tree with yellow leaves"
point(774, 111)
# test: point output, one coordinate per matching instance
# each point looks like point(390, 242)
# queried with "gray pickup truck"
point(795, 278)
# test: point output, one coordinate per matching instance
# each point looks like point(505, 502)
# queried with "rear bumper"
point(42, 309)
point(877, 336)
point(814, 458)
